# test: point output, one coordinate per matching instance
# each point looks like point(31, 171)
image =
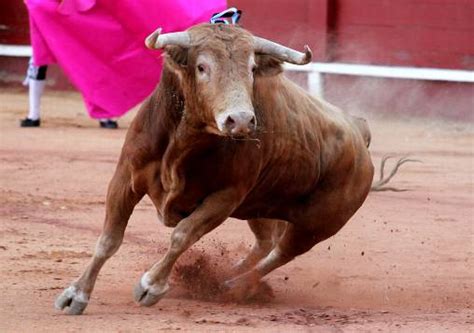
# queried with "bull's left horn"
point(283, 53)
point(158, 41)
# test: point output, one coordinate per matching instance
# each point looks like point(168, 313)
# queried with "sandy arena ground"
point(403, 263)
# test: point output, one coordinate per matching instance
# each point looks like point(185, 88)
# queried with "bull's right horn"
point(158, 41)
point(265, 46)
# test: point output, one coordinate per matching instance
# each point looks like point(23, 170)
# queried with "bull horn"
point(158, 41)
point(283, 53)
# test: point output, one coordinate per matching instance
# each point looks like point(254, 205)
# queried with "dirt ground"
point(403, 263)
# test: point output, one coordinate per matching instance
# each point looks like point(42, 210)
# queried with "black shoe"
point(108, 124)
point(27, 122)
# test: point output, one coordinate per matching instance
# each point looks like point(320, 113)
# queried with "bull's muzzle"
point(237, 123)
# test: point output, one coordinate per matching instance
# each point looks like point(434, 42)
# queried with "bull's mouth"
point(237, 134)
point(228, 134)
point(247, 133)
point(241, 136)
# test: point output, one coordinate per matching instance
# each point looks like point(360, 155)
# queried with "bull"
point(226, 134)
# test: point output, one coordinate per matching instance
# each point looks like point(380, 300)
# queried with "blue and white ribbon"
point(223, 17)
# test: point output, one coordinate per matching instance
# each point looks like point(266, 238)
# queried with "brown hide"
point(307, 163)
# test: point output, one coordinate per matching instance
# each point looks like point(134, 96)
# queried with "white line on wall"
point(316, 70)
point(7, 50)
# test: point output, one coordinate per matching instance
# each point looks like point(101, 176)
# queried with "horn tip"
point(151, 40)
point(308, 55)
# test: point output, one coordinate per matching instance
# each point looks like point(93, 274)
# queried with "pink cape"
point(100, 44)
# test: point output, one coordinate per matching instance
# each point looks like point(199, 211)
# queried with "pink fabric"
point(100, 44)
point(68, 7)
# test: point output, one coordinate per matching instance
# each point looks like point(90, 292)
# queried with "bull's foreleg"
point(267, 234)
point(120, 203)
point(211, 213)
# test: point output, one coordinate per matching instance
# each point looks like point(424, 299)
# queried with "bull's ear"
point(267, 65)
point(177, 56)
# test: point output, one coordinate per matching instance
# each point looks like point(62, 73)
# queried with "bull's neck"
point(168, 101)
point(155, 124)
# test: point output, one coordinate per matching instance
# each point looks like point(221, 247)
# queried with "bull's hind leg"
point(120, 203)
point(267, 234)
point(294, 241)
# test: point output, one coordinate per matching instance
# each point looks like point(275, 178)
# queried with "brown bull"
point(226, 134)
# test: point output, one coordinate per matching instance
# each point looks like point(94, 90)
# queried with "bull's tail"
point(380, 184)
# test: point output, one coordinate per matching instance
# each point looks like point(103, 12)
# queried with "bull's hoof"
point(72, 301)
point(239, 289)
point(146, 294)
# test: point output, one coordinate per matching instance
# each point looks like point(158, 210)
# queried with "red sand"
point(403, 263)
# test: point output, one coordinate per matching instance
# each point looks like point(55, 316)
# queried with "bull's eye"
point(203, 71)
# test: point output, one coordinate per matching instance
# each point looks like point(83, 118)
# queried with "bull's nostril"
point(229, 122)
point(252, 121)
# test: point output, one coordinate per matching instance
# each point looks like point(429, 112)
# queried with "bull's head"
point(216, 65)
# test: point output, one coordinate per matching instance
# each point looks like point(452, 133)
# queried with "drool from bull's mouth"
point(297, 179)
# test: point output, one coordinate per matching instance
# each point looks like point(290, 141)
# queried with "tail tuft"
point(379, 185)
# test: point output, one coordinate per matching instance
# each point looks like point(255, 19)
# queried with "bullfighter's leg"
point(267, 234)
point(120, 203)
point(295, 241)
point(213, 211)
